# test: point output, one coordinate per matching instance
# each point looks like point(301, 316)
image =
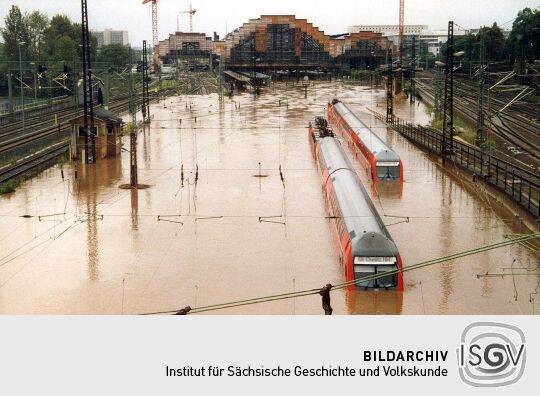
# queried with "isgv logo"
point(491, 354)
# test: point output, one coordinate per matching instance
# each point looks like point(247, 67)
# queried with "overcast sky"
point(218, 15)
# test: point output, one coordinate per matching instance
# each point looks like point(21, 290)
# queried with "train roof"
point(373, 142)
point(369, 236)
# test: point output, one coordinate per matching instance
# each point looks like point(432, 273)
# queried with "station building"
point(274, 42)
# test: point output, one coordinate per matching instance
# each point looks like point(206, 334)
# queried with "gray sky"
point(214, 15)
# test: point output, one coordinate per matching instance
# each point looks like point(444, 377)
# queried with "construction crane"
point(155, 38)
point(401, 27)
point(191, 12)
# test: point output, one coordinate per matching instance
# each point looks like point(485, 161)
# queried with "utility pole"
point(448, 109)
point(21, 78)
point(176, 56)
point(412, 86)
point(87, 86)
point(106, 89)
point(35, 82)
point(220, 78)
point(146, 88)
point(145, 101)
point(254, 73)
point(389, 89)
point(523, 62)
point(10, 93)
point(133, 132)
point(438, 92)
point(480, 138)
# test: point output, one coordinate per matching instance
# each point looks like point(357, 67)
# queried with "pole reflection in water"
point(446, 275)
point(134, 209)
point(146, 145)
point(92, 237)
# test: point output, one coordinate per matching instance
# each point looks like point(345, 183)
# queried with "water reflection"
point(446, 275)
point(236, 256)
point(381, 302)
point(92, 237)
point(90, 182)
point(134, 209)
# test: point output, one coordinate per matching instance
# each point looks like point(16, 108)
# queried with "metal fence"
point(522, 185)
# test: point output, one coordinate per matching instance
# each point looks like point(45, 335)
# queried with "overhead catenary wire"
point(282, 296)
point(256, 216)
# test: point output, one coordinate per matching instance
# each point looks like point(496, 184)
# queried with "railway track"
point(14, 128)
point(60, 110)
point(52, 151)
point(521, 138)
point(32, 161)
point(12, 139)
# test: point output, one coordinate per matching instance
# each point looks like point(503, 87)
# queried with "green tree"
point(525, 35)
point(494, 42)
point(59, 33)
point(15, 32)
point(467, 44)
point(62, 36)
point(36, 23)
point(65, 50)
point(116, 55)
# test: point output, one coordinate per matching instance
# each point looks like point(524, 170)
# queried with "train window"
point(374, 274)
point(389, 280)
point(363, 272)
point(388, 170)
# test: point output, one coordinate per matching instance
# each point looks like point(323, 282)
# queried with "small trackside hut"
point(108, 130)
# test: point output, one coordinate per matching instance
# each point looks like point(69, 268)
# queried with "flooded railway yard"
point(219, 223)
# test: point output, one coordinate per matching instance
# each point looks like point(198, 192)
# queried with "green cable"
point(303, 293)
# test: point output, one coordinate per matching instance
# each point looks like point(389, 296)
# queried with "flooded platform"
point(231, 229)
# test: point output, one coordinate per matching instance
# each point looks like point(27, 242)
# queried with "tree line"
point(55, 40)
point(522, 44)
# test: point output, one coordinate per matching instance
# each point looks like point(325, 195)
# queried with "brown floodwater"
point(85, 246)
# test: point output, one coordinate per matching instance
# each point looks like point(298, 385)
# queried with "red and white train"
point(383, 163)
point(365, 245)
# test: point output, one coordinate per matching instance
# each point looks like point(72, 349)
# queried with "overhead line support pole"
point(412, 84)
point(389, 90)
point(448, 110)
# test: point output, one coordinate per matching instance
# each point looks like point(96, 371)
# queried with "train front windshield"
point(375, 272)
point(388, 170)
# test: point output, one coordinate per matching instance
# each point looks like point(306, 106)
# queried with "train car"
point(365, 245)
point(383, 163)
